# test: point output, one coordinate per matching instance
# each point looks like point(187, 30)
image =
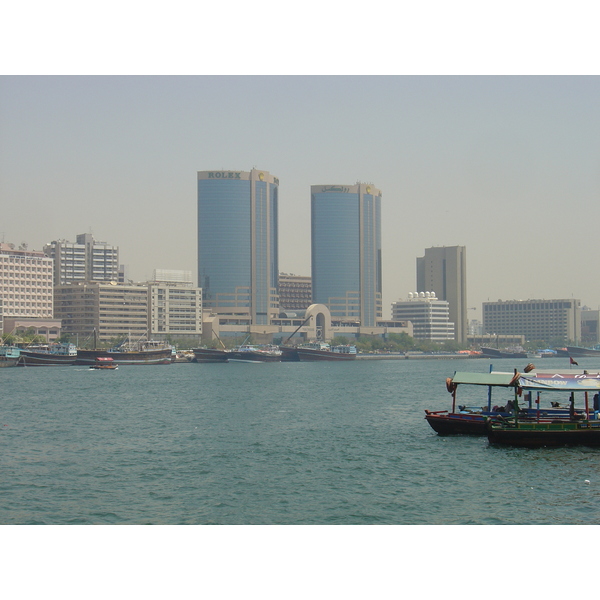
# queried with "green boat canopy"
point(493, 378)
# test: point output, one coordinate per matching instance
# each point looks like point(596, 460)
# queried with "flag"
point(572, 361)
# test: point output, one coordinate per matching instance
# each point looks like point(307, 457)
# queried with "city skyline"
point(505, 166)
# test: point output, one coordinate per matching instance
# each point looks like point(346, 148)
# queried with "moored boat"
point(255, 354)
point(210, 355)
point(9, 356)
point(471, 420)
point(323, 351)
point(143, 353)
point(60, 354)
point(289, 354)
point(559, 426)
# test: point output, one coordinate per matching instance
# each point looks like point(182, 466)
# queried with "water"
point(282, 443)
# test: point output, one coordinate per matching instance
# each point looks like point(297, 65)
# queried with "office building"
point(295, 292)
point(238, 243)
point(552, 321)
point(175, 307)
point(85, 260)
point(25, 283)
point(108, 311)
point(429, 316)
point(443, 271)
point(346, 251)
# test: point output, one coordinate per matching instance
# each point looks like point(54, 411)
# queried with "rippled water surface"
point(283, 443)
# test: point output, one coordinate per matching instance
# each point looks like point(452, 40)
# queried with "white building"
point(85, 260)
point(430, 316)
point(174, 306)
point(25, 283)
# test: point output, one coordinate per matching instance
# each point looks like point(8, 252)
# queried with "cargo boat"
point(210, 355)
point(143, 353)
point(48, 355)
point(9, 356)
point(255, 354)
point(323, 351)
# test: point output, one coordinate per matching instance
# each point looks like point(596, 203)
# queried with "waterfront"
point(282, 443)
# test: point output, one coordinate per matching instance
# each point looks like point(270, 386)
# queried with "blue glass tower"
point(237, 243)
point(346, 251)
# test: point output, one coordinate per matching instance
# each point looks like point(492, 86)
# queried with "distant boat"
point(323, 351)
point(255, 354)
point(104, 362)
point(9, 356)
point(580, 351)
point(210, 355)
point(149, 352)
point(48, 355)
point(495, 353)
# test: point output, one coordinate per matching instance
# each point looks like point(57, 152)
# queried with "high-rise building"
point(428, 315)
point(443, 271)
point(238, 243)
point(346, 251)
point(85, 260)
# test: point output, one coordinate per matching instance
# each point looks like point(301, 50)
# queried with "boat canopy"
point(561, 382)
point(493, 378)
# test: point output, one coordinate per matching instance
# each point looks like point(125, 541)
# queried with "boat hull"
point(210, 355)
point(162, 356)
point(457, 424)
point(7, 361)
point(310, 354)
point(253, 356)
point(538, 435)
point(45, 359)
point(289, 354)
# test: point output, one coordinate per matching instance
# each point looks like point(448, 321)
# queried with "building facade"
point(106, 311)
point(346, 251)
point(539, 320)
point(295, 292)
point(85, 260)
point(25, 283)
point(430, 317)
point(238, 243)
point(175, 307)
point(443, 270)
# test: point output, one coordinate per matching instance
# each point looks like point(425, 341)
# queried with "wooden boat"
point(9, 356)
point(210, 355)
point(323, 351)
point(471, 420)
point(54, 355)
point(554, 427)
point(289, 354)
point(148, 352)
point(104, 362)
point(255, 354)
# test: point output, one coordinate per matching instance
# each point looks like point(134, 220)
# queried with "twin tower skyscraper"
point(238, 247)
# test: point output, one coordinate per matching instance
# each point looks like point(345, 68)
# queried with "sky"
point(507, 166)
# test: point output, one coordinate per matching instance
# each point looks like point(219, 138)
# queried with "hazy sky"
point(507, 166)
